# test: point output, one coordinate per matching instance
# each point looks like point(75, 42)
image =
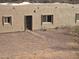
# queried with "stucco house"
point(36, 16)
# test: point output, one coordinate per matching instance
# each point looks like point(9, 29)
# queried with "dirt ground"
point(56, 44)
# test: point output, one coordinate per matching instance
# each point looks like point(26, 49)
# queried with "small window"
point(76, 17)
point(47, 18)
point(6, 20)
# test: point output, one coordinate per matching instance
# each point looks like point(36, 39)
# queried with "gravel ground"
point(38, 45)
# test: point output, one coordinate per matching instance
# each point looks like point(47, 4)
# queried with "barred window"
point(77, 16)
point(47, 18)
point(6, 20)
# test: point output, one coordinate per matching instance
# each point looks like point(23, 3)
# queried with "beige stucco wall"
point(17, 22)
point(64, 15)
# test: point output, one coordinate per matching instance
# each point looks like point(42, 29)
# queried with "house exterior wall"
point(76, 11)
point(63, 15)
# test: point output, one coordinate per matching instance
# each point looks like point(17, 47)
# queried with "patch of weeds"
point(74, 48)
point(76, 29)
point(75, 39)
point(56, 28)
point(44, 30)
point(77, 54)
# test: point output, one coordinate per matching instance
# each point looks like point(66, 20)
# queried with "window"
point(6, 20)
point(76, 17)
point(47, 18)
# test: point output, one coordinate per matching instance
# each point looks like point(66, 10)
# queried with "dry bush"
point(76, 29)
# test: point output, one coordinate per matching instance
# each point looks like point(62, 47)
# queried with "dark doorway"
point(28, 22)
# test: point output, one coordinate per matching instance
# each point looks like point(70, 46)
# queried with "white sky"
point(15, 4)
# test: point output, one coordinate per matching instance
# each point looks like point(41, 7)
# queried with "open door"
point(28, 22)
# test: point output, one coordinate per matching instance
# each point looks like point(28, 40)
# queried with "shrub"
point(76, 29)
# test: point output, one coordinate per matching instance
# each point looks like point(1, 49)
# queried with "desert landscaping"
point(58, 43)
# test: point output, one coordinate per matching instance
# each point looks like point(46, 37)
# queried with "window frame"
point(7, 20)
point(47, 18)
point(77, 16)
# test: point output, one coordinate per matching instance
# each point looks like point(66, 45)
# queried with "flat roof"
point(38, 4)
